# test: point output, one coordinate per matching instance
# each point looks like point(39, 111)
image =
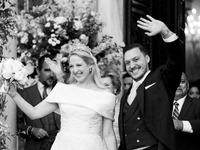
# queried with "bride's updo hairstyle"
point(84, 52)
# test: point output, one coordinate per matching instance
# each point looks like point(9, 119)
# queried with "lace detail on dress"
point(81, 129)
point(81, 120)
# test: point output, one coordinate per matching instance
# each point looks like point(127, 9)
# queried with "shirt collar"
point(40, 86)
point(181, 101)
point(143, 78)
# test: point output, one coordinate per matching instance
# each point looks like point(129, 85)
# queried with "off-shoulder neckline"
point(89, 89)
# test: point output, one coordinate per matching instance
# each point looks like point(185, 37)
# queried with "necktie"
point(44, 95)
point(175, 113)
point(133, 93)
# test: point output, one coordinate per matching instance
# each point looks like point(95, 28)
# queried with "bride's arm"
point(42, 109)
point(109, 135)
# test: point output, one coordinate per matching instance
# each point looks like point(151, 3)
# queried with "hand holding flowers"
point(12, 71)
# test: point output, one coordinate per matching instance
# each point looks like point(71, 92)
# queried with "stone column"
point(111, 12)
point(10, 109)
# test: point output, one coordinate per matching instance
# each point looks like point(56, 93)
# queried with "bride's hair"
point(89, 59)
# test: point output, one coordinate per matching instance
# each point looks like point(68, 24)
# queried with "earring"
point(90, 70)
point(115, 91)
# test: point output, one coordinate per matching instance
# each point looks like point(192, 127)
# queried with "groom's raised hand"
point(154, 27)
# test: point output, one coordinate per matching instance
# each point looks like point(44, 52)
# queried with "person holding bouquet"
point(85, 104)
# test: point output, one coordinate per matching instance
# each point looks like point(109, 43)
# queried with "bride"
point(86, 106)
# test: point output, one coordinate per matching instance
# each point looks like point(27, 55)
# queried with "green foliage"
point(7, 22)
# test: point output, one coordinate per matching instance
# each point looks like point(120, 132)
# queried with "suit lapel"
point(185, 107)
point(35, 96)
point(140, 92)
point(121, 114)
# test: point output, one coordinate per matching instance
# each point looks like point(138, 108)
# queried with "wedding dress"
point(82, 111)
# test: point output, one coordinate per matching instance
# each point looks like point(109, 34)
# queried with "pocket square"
point(148, 86)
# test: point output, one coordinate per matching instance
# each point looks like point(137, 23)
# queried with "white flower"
point(34, 41)
point(50, 40)
point(64, 59)
point(57, 42)
point(78, 24)
point(17, 66)
point(53, 35)
point(55, 26)
point(24, 39)
point(21, 75)
point(34, 46)
point(30, 68)
point(47, 24)
point(103, 46)
point(7, 73)
point(40, 33)
point(122, 44)
point(53, 43)
point(24, 81)
point(84, 39)
point(93, 13)
point(60, 20)
point(49, 19)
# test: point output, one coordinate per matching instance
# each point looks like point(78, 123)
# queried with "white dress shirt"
point(41, 88)
point(186, 124)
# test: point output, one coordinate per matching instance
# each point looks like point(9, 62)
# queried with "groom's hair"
point(136, 45)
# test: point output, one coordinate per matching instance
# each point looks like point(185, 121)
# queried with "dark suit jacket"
point(33, 97)
point(156, 100)
point(191, 112)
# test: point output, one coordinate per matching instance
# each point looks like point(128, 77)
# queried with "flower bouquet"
point(11, 71)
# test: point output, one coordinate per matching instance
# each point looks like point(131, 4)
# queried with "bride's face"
point(79, 68)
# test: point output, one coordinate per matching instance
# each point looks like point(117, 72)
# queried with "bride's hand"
point(55, 65)
point(12, 91)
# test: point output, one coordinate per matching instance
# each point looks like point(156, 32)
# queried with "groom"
point(145, 121)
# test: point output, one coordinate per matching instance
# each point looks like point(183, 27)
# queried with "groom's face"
point(136, 63)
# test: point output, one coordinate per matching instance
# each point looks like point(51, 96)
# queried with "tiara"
point(74, 45)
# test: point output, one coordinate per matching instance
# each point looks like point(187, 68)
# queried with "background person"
point(40, 133)
point(194, 91)
point(127, 81)
point(187, 120)
point(111, 79)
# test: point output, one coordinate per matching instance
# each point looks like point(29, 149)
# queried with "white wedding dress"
point(82, 111)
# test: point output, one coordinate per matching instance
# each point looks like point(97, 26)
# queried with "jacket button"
point(138, 141)
point(137, 129)
point(125, 135)
point(138, 118)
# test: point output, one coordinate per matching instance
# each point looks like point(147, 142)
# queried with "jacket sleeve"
point(174, 66)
